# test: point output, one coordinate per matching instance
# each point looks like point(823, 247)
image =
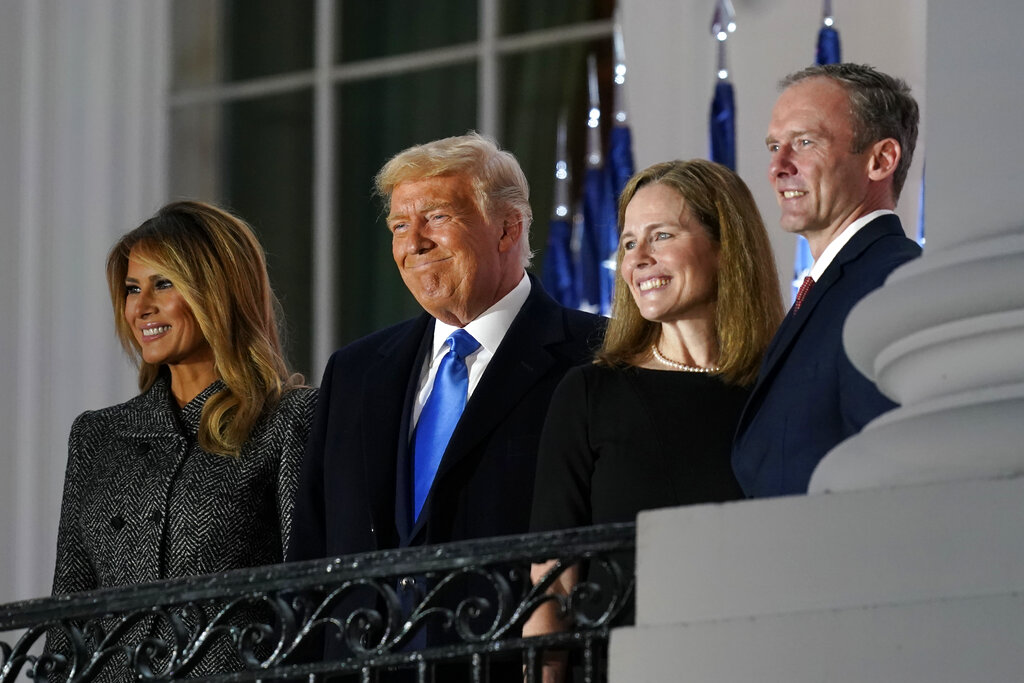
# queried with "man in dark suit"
point(841, 141)
point(375, 476)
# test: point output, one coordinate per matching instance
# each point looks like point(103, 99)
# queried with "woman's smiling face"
point(160, 318)
point(668, 259)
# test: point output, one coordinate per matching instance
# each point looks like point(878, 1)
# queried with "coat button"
point(117, 522)
point(142, 448)
point(407, 583)
point(155, 516)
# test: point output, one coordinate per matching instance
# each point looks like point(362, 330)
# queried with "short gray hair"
point(881, 106)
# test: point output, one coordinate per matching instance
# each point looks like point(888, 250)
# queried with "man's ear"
point(885, 157)
point(511, 230)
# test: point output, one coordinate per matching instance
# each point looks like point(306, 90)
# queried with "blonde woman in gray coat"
point(197, 474)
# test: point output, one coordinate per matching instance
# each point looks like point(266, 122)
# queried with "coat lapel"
point(392, 372)
point(150, 415)
point(794, 322)
point(520, 362)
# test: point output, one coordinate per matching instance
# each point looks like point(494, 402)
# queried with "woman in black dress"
point(650, 423)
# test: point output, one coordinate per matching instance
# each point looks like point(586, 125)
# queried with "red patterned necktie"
point(802, 292)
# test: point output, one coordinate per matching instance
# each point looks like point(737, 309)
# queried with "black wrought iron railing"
point(457, 607)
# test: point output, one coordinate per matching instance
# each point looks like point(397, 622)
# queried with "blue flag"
point(723, 125)
point(828, 46)
point(557, 269)
point(801, 264)
point(600, 239)
point(620, 159)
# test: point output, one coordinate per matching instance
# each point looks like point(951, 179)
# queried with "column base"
point(944, 338)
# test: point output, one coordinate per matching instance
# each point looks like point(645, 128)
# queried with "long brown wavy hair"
point(219, 268)
point(749, 306)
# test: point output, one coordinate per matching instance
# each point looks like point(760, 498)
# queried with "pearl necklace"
point(680, 366)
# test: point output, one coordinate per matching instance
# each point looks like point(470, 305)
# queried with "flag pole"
point(558, 272)
point(620, 144)
point(722, 135)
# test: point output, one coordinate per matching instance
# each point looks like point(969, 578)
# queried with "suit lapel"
point(391, 374)
point(520, 361)
point(794, 322)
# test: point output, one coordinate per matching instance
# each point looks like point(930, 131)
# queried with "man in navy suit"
point(841, 141)
point(459, 217)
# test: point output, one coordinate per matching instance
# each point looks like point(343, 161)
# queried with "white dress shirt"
point(840, 241)
point(489, 328)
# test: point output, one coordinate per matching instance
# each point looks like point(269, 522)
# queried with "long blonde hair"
point(749, 306)
point(219, 268)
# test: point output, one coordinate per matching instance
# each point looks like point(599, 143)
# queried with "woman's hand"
point(547, 618)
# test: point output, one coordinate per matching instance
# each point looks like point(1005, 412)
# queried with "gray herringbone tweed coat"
point(143, 502)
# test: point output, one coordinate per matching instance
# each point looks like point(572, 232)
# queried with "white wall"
point(672, 65)
point(975, 184)
point(81, 162)
point(10, 163)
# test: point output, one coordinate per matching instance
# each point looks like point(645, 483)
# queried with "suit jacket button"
point(117, 522)
point(142, 448)
point(155, 516)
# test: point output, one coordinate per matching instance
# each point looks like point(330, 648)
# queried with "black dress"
point(618, 441)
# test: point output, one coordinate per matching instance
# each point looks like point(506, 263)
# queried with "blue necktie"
point(440, 414)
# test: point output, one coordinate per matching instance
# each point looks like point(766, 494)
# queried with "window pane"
point(377, 119)
point(196, 42)
point(195, 152)
point(390, 27)
point(255, 158)
point(518, 16)
point(268, 155)
point(538, 86)
point(232, 40)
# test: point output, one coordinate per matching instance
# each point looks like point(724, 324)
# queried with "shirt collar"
point(840, 241)
point(489, 327)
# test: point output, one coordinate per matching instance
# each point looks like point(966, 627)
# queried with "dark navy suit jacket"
point(354, 488)
point(808, 396)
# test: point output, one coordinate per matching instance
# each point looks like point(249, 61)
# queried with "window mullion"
point(326, 158)
point(489, 92)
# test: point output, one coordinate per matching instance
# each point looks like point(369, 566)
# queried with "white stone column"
point(84, 147)
point(945, 336)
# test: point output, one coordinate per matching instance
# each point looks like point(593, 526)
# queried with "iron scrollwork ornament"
point(381, 606)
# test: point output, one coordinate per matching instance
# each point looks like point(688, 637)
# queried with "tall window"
point(283, 112)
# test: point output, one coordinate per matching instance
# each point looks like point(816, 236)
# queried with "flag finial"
point(723, 22)
point(562, 174)
point(619, 76)
point(594, 156)
point(827, 18)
